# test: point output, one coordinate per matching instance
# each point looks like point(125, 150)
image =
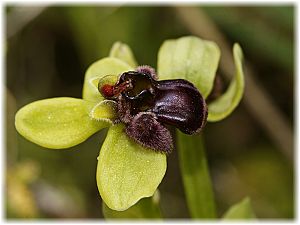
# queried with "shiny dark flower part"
point(146, 105)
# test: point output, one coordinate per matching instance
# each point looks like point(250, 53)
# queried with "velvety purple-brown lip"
point(179, 103)
point(146, 105)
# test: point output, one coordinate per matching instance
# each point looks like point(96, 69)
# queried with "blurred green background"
point(47, 50)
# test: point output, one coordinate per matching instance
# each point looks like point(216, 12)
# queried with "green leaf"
point(105, 111)
point(123, 52)
point(241, 210)
point(195, 175)
point(126, 171)
point(57, 122)
point(146, 208)
point(101, 68)
point(225, 104)
point(189, 58)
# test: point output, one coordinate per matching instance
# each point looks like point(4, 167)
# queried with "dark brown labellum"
point(145, 105)
point(147, 131)
point(179, 103)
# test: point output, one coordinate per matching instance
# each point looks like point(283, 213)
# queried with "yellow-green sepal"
point(57, 122)
point(146, 208)
point(126, 171)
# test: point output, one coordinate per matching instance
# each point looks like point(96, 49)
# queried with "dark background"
point(47, 50)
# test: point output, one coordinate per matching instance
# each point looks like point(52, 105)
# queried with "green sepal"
point(126, 171)
point(57, 122)
point(146, 208)
point(226, 103)
point(189, 58)
point(241, 210)
point(101, 68)
point(123, 52)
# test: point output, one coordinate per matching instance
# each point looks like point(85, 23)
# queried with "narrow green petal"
point(105, 111)
point(123, 52)
point(57, 122)
point(146, 208)
point(225, 104)
point(241, 210)
point(189, 58)
point(101, 68)
point(126, 171)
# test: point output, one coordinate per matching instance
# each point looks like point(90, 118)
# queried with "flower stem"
point(195, 175)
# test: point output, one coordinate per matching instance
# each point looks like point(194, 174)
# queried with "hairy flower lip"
point(174, 102)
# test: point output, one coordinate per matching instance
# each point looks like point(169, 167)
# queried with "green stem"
point(195, 175)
